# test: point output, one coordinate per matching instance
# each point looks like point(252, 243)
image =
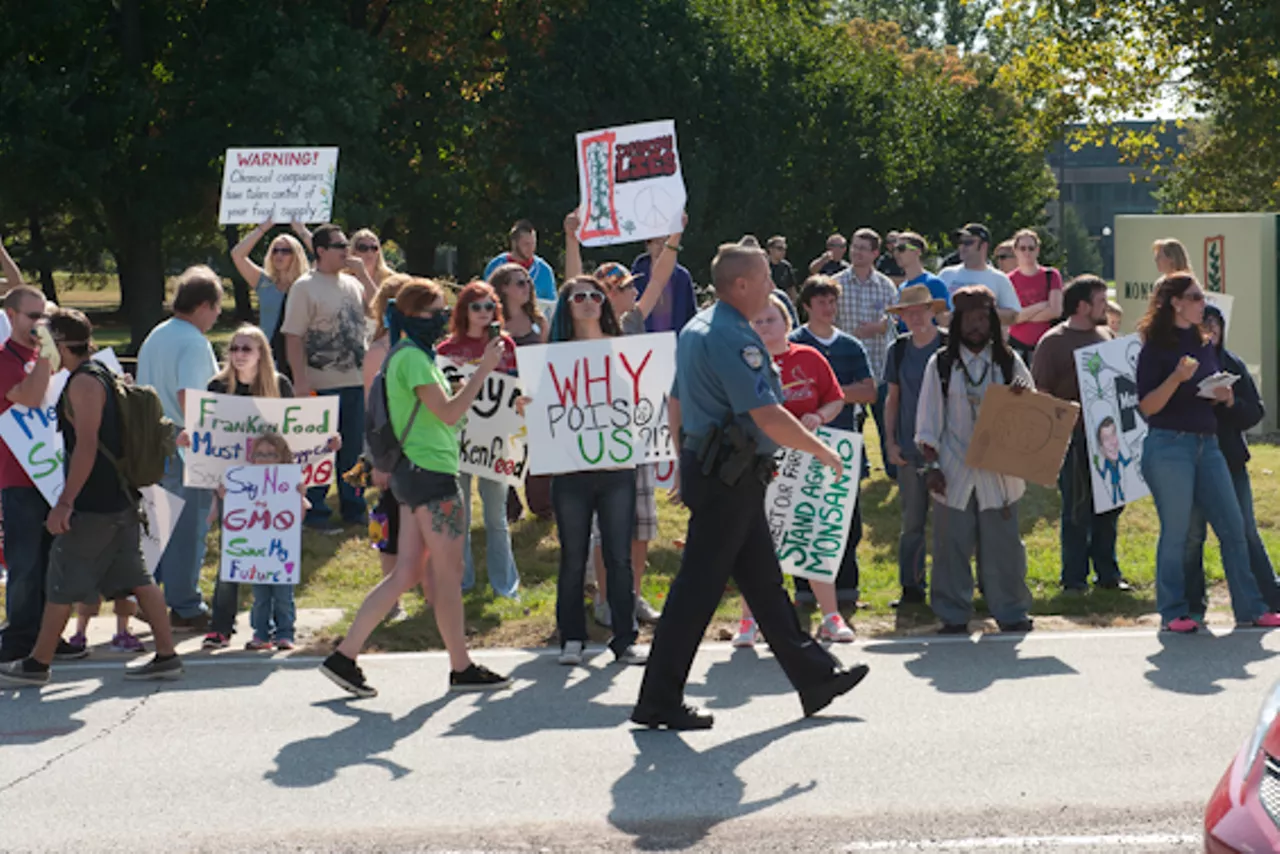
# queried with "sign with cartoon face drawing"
point(1114, 427)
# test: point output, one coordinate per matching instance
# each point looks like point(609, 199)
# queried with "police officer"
point(728, 399)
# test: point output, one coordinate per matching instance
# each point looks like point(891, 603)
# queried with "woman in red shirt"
point(810, 392)
point(1040, 292)
point(478, 306)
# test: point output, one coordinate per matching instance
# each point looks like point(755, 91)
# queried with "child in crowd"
point(1115, 316)
point(274, 611)
point(123, 640)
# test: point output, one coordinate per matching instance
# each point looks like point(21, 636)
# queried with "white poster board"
point(282, 184)
point(491, 438)
point(810, 510)
point(161, 509)
point(222, 428)
point(1114, 428)
point(262, 525)
point(598, 404)
point(1223, 303)
point(630, 183)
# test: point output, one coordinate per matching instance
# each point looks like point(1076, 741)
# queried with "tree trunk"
point(244, 310)
point(140, 263)
point(419, 245)
point(40, 252)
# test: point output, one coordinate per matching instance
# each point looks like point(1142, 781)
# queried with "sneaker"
point(477, 677)
point(198, 623)
point(156, 668)
point(834, 628)
point(24, 672)
point(257, 645)
point(347, 675)
point(398, 615)
point(570, 653)
point(632, 655)
point(285, 645)
point(214, 640)
point(77, 641)
point(602, 615)
point(126, 642)
point(747, 635)
point(1181, 625)
point(69, 652)
point(1120, 584)
point(646, 613)
point(1268, 621)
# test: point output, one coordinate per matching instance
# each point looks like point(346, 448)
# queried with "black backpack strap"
point(945, 364)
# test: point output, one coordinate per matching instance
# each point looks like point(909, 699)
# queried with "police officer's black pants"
point(728, 536)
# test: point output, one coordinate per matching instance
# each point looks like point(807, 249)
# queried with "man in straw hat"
point(904, 374)
point(976, 510)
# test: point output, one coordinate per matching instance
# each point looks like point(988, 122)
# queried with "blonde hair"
point(387, 291)
point(1173, 250)
point(277, 443)
point(265, 383)
point(776, 302)
point(298, 268)
point(381, 272)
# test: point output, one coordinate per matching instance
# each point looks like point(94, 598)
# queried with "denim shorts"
point(416, 487)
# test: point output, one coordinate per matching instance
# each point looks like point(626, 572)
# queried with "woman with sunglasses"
point(1040, 292)
point(368, 248)
point(285, 263)
point(478, 307)
point(1182, 462)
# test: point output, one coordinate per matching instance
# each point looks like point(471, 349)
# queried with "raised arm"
point(660, 275)
point(304, 234)
point(572, 250)
point(782, 427)
point(248, 270)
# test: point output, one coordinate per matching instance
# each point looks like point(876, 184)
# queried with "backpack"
point(147, 436)
point(385, 447)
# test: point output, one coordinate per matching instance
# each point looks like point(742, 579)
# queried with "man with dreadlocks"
point(975, 509)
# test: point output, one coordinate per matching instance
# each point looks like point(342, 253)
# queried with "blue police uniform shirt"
point(723, 371)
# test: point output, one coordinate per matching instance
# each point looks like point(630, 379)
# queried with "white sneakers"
point(834, 628)
point(571, 653)
point(747, 635)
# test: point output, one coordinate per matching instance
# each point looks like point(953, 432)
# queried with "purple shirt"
point(1186, 411)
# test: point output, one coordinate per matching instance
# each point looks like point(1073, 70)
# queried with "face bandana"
point(422, 331)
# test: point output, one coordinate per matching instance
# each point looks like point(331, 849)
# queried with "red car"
point(1243, 816)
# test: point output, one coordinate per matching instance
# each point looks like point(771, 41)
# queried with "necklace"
point(972, 386)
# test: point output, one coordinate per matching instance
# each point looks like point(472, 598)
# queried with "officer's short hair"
point(732, 262)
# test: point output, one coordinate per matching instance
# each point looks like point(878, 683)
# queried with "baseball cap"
point(975, 229)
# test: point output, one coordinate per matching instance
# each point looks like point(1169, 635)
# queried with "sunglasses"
point(281, 250)
point(1004, 257)
point(482, 305)
point(582, 296)
point(907, 247)
point(343, 246)
point(366, 247)
point(242, 348)
point(969, 242)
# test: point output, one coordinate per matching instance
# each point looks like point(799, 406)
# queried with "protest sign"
point(33, 436)
point(630, 183)
point(161, 509)
point(222, 428)
point(262, 525)
point(598, 404)
point(491, 439)
point(281, 184)
point(1114, 428)
point(1223, 303)
point(1022, 435)
point(810, 510)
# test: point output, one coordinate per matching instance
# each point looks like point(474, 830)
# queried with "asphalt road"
point(1099, 741)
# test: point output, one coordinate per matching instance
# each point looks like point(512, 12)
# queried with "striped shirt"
point(947, 426)
point(864, 301)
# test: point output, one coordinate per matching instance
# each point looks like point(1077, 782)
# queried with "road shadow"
point(732, 683)
point(316, 761)
point(968, 668)
point(674, 795)
point(1196, 664)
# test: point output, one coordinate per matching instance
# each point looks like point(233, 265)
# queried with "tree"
point(1080, 251)
point(926, 23)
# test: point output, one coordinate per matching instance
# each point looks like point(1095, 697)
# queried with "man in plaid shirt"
point(865, 294)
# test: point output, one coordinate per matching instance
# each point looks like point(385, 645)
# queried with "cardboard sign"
point(630, 183)
point(262, 525)
point(491, 439)
point(222, 428)
point(810, 510)
point(282, 184)
point(1022, 435)
point(1114, 427)
point(598, 404)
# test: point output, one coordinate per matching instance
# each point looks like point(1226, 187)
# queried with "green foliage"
point(1082, 255)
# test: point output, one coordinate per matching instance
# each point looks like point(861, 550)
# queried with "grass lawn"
point(337, 571)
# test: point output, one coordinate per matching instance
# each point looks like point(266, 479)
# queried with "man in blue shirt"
point(725, 378)
point(679, 302)
point(820, 297)
point(523, 239)
point(910, 250)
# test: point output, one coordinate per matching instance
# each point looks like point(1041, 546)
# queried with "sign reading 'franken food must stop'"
point(810, 510)
point(281, 184)
point(598, 404)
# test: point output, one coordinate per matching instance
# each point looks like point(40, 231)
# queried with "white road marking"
point(1030, 843)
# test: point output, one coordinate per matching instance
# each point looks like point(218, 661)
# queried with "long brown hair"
point(265, 383)
point(475, 291)
point(501, 278)
point(387, 291)
point(1157, 326)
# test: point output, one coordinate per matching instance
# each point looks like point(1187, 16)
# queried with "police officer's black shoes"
point(680, 718)
point(842, 681)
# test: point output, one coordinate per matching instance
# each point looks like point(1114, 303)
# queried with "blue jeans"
point(611, 497)
point(501, 563)
point(351, 428)
point(1085, 536)
point(1186, 471)
point(877, 412)
point(273, 612)
point(1259, 560)
point(179, 567)
point(26, 552)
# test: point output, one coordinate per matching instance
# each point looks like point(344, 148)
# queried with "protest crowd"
point(765, 377)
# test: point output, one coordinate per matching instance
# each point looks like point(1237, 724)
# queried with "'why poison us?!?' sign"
point(598, 404)
point(280, 184)
point(630, 183)
point(810, 510)
point(262, 525)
